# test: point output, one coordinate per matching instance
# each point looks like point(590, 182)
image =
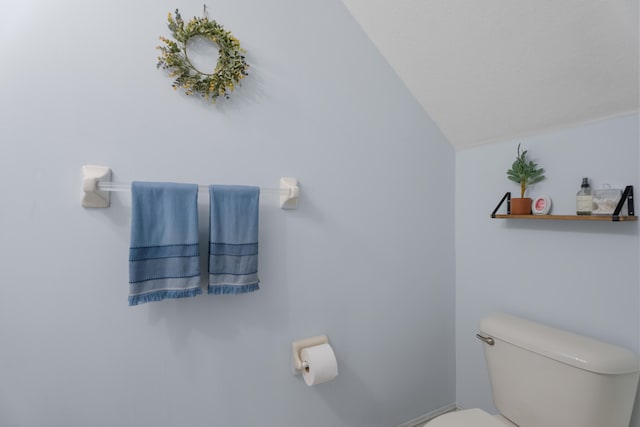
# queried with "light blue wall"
point(581, 276)
point(368, 258)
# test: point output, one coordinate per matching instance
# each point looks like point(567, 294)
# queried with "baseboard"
point(419, 422)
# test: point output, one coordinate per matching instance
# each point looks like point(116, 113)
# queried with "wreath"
point(230, 69)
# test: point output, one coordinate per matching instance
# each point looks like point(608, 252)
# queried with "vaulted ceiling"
point(493, 70)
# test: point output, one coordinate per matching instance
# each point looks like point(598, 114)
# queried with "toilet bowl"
point(571, 380)
point(469, 418)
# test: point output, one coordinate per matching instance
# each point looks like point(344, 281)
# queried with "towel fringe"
point(163, 294)
point(232, 289)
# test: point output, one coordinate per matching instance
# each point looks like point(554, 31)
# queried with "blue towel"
point(164, 254)
point(233, 239)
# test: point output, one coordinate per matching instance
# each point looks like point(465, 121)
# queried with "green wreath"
point(230, 69)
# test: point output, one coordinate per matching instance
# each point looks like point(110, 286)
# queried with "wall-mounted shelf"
point(627, 198)
point(608, 218)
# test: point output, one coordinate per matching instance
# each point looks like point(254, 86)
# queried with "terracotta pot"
point(521, 206)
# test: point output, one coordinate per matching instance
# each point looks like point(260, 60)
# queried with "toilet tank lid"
point(566, 347)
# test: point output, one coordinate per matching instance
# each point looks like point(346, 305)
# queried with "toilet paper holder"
point(297, 363)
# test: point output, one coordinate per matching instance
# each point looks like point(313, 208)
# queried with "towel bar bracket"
point(92, 196)
point(289, 197)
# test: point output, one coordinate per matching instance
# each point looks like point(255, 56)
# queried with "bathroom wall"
point(367, 258)
point(581, 276)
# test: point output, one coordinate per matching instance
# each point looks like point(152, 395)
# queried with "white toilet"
point(546, 377)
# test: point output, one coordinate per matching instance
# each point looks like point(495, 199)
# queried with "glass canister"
point(605, 200)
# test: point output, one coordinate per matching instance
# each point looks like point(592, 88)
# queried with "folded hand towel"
point(233, 239)
point(164, 257)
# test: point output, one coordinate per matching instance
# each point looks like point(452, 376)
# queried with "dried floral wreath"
point(231, 66)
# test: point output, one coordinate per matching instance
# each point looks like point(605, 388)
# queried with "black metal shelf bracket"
point(627, 197)
point(506, 197)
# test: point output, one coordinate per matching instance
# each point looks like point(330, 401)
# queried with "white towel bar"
point(97, 186)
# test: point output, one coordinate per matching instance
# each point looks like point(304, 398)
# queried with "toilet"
point(546, 377)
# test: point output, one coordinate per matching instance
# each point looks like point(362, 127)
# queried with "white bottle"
point(584, 200)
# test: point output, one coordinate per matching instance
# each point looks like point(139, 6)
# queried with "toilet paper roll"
point(319, 364)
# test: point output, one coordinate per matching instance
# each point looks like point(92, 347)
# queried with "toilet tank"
point(546, 377)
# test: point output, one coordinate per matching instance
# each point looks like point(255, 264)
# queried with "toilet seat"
point(466, 418)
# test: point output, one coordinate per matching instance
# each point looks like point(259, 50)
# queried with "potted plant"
point(524, 173)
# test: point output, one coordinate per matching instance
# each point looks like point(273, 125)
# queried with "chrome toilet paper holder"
point(296, 347)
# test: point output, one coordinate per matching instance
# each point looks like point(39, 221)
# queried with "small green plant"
point(524, 172)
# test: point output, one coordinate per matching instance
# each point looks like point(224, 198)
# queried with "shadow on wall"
point(356, 411)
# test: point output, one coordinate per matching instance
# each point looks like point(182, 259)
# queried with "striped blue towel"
point(233, 239)
point(164, 257)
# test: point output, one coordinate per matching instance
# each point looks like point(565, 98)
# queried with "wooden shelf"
point(625, 198)
point(608, 218)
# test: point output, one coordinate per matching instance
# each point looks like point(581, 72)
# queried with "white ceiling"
point(493, 70)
